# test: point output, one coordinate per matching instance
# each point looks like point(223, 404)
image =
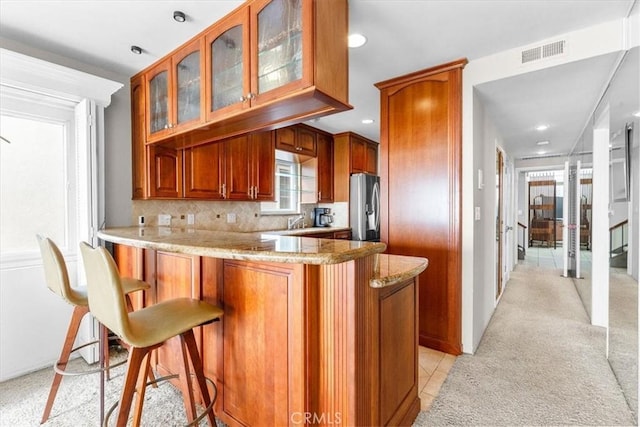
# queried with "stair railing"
point(521, 246)
point(618, 238)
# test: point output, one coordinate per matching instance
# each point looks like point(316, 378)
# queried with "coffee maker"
point(322, 217)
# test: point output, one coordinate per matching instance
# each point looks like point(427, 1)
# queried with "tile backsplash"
point(212, 215)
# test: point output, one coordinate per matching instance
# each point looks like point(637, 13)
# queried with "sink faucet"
point(295, 222)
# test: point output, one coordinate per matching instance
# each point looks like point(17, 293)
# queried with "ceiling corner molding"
point(35, 75)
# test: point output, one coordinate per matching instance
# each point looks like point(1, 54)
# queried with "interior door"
point(499, 221)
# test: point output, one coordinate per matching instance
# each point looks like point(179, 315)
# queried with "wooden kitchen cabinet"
point(266, 64)
point(353, 153)
point(421, 153)
point(250, 167)
point(174, 92)
point(204, 171)
point(139, 161)
point(299, 139)
point(325, 167)
point(165, 172)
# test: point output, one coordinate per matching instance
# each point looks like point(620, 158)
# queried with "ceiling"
point(403, 36)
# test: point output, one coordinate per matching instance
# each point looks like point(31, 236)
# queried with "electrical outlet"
point(141, 220)
point(164, 220)
point(191, 219)
point(231, 218)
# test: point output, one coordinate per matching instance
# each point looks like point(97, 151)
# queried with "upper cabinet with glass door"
point(269, 63)
point(175, 92)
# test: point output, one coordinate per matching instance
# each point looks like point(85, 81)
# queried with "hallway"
point(540, 362)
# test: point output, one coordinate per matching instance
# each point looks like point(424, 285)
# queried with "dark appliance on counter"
point(322, 217)
point(364, 207)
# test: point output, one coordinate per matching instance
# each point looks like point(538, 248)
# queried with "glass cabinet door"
point(159, 102)
point(188, 87)
point(279, 52)
point(227, 65)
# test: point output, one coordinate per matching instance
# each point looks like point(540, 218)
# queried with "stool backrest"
point(106, 298)
point(55, 272)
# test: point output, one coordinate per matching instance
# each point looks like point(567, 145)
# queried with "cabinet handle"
point(255, 192)
point(319, 195)
point(223, 190)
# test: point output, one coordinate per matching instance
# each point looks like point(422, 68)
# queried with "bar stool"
point(57, 279)
point(145, 330)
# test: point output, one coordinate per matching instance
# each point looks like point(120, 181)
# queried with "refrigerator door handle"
point(376, 204)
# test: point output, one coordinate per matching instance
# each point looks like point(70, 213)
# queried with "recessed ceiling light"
point(356, 40)
point(136, 49)
point(637, 114)
point(541, 152)
point(179, 16)
point(367, 121)
point(542, 127)
point(542, 142)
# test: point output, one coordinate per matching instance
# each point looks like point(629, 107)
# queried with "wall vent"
point(545, 51)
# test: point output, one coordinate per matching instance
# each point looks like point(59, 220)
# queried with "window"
point(287, 189)
point(37, 174)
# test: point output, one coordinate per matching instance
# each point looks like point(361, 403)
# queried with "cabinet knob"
point(243, 99)
point(251, 95)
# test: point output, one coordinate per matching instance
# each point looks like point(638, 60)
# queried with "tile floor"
point(434, 367)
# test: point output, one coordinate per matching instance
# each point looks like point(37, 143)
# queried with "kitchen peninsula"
point(315, 331)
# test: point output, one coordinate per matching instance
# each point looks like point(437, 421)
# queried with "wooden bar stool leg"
point(141, 389)
point(136, 357)
point(190, 342)
point(186, 384)
point(72, 332)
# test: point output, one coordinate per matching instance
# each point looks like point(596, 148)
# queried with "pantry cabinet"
point(268, 63)
point(174, 92)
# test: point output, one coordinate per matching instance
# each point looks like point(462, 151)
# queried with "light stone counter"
point(258, 246)
point(393, 269)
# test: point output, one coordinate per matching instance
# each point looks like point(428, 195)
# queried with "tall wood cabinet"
point(421, 191)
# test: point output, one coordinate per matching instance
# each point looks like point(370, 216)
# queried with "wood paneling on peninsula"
point(421, 150)
point(304, 334)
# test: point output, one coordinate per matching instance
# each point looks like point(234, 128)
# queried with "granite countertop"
point(394, 269)
point(253, 246)
point(306, 230)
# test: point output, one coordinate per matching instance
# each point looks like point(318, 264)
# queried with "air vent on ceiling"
point(544, 51)
point(543, 156)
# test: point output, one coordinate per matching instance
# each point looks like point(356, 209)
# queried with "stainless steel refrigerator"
point(364, 207)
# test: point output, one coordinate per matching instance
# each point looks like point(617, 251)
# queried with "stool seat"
point(157, 323)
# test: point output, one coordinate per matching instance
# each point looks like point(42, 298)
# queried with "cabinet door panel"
point(227, 59)
point(177, 276)
point(306, 141)
point(371, 156)
point(286, 139)
point(358, 153)
point(188, 84)
point(263, 165)
point(256, 360)
point(237, 153)
point(158, 101)
point(165, 172)
point(325, 168)
point(138, 147)
point(280, 57)
point(204, 171)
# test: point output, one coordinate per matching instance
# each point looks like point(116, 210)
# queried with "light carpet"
point(540, 362)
